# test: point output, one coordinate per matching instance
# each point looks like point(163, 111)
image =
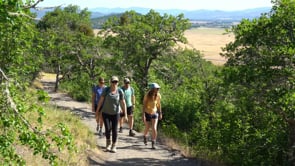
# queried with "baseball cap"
point(154, 85)
point(114, 78)
point(126, 80)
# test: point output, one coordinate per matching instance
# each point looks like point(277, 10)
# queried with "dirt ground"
point(130, 150)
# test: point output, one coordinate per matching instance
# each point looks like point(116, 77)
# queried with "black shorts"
point(129, 112)
point(148, 117)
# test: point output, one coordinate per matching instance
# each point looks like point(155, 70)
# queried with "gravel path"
point(130, 150)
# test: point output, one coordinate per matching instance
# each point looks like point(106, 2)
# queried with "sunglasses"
point(114, 82)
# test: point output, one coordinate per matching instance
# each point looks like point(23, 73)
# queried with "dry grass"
point(48, 76)
point(174, 145)
point(83, 138)
point(208, 40)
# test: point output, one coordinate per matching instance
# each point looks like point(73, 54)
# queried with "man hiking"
point(130, 104)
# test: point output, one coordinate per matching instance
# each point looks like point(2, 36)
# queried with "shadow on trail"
point(81, 112)
point(149, 162)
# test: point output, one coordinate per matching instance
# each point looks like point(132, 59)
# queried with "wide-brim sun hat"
point(154, 85)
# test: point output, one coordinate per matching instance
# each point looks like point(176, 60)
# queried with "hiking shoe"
point(100, 133)
point(109, 148)
point(153, 145)
point(144, 140)
point(121, 130)
point(114, 148)
point(97, 127)
point(108, 145)
point(131, 133)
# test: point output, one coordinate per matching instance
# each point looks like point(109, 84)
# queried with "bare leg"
point(146, 129)
point(130, 121)
point(121, 121)
point(145, 132)
point(100, 122)
point(154, 132)
point(97, 117)
point(154, 129)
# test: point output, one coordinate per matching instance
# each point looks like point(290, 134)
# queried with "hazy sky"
point(228, 5)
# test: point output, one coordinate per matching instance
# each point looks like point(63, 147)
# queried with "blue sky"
point(227, 5)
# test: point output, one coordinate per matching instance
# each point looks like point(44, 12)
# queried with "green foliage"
point(79, 87)
point(98, 22)
point(260, 75)
point(19, 53)
point(240, 114)
point(16, 129)
point(70, 46)
point(141, 39)
point(189, 94)
point(20, 63)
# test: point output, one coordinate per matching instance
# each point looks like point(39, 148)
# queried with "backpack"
point(132, 90)
point(107, 91)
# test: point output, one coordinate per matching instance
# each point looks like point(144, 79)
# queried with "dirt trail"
point(130, 150)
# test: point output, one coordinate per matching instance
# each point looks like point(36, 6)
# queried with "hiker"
point(112, 98)
point(151, 112)
point(130, 104)
point(96, 93)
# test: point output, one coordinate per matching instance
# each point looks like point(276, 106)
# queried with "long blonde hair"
point(152, 94)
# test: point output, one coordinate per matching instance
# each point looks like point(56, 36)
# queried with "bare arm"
point(93, 101)
point(144, 103)
point(124, 108)
point(159, 107)
point(133, 100)
point(143, 108)
point(100, 102)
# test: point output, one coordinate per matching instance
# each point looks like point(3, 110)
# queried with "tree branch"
point(29, 6)
point(13, 105)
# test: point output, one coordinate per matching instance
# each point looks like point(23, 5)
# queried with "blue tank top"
point(98, 91)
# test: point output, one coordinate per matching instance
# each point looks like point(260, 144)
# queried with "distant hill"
point(225, 15)
point(108, 11)
point(192, 15)
point(98, 21)
point(198, 18)
point(41, 13)
point(211, 18)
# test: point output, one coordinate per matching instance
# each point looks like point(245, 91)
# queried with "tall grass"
point(84, 139)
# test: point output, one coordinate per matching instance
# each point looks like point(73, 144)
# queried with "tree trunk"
point(291, 123)
point(57, 79)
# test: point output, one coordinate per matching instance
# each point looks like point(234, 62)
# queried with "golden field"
point(207, 40)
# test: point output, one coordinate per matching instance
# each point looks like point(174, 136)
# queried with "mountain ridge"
point(201, 14)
